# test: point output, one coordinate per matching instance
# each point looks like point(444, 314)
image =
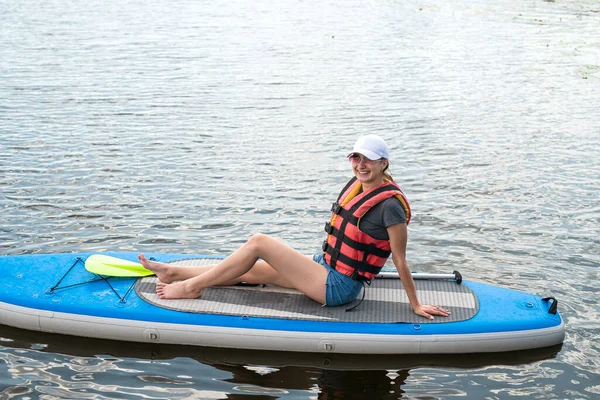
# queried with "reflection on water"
point(75, 368)
point(149, 126)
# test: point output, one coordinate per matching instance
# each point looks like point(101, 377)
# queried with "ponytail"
point(387, 177)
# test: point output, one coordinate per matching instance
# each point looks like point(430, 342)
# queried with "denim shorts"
point(340, 289)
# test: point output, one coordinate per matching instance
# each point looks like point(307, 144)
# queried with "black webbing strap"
point(98, 278)
point(356, 264)
point(364, 291)
point(337, 209)
point(56, 286)
point(331, 230)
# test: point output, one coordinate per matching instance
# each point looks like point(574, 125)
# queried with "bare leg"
point(260, 273)
point(293, 270)
point(168, 273)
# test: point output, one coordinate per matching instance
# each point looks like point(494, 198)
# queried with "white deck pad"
point(385, 301)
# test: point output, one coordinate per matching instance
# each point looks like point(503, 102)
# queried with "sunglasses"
point(356, 158)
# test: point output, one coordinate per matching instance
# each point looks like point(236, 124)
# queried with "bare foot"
point(163, 271)
point(178, 290)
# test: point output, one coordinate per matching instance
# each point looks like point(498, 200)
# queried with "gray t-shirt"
point(387, 213)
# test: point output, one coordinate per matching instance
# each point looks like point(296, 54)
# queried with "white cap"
point(372, 146)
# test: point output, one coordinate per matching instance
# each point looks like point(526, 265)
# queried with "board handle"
point(454, 276)
point(553, 306)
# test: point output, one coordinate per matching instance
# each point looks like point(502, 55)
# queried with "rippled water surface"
point(188, 126)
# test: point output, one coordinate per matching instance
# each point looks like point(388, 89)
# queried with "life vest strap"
point(370, 194)
point(364, 291)
point(366, 248)
point(332, 251)
point(347, 215)
point(361, 278)
point(357, 265)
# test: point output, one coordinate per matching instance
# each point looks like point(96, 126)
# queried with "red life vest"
point(349, 250)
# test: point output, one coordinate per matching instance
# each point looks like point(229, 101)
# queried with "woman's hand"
point(398, 236)
point(428, 311)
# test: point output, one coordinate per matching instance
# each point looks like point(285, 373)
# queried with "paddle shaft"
point(423, 276)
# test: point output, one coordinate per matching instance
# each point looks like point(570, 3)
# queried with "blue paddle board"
point(55, 293)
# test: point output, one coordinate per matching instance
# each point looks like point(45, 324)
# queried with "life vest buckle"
point(357, 277)
point(328, 228)
point(336, 208)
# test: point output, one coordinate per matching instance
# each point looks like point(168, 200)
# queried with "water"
point(154, 126)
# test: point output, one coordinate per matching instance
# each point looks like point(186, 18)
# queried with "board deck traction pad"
point(385, 301)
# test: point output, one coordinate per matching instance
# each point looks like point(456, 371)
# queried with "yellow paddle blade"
point(112, 266)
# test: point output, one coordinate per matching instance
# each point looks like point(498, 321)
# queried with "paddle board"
point(56, 293)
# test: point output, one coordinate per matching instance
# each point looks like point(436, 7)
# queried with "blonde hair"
point(387, 177)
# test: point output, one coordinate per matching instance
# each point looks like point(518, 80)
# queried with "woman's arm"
point(398, 234)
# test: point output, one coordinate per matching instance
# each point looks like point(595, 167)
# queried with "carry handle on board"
point(553, 306)
point(111, 266)
point(454, 276)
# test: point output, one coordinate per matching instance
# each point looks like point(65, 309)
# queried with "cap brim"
point(367, 153)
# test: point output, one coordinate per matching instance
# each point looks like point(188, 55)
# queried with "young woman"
point(369, 222)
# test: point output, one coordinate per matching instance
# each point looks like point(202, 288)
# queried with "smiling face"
point(368, 172)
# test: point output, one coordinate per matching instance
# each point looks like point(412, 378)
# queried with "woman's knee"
point(258, 242)
point(261, 273)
